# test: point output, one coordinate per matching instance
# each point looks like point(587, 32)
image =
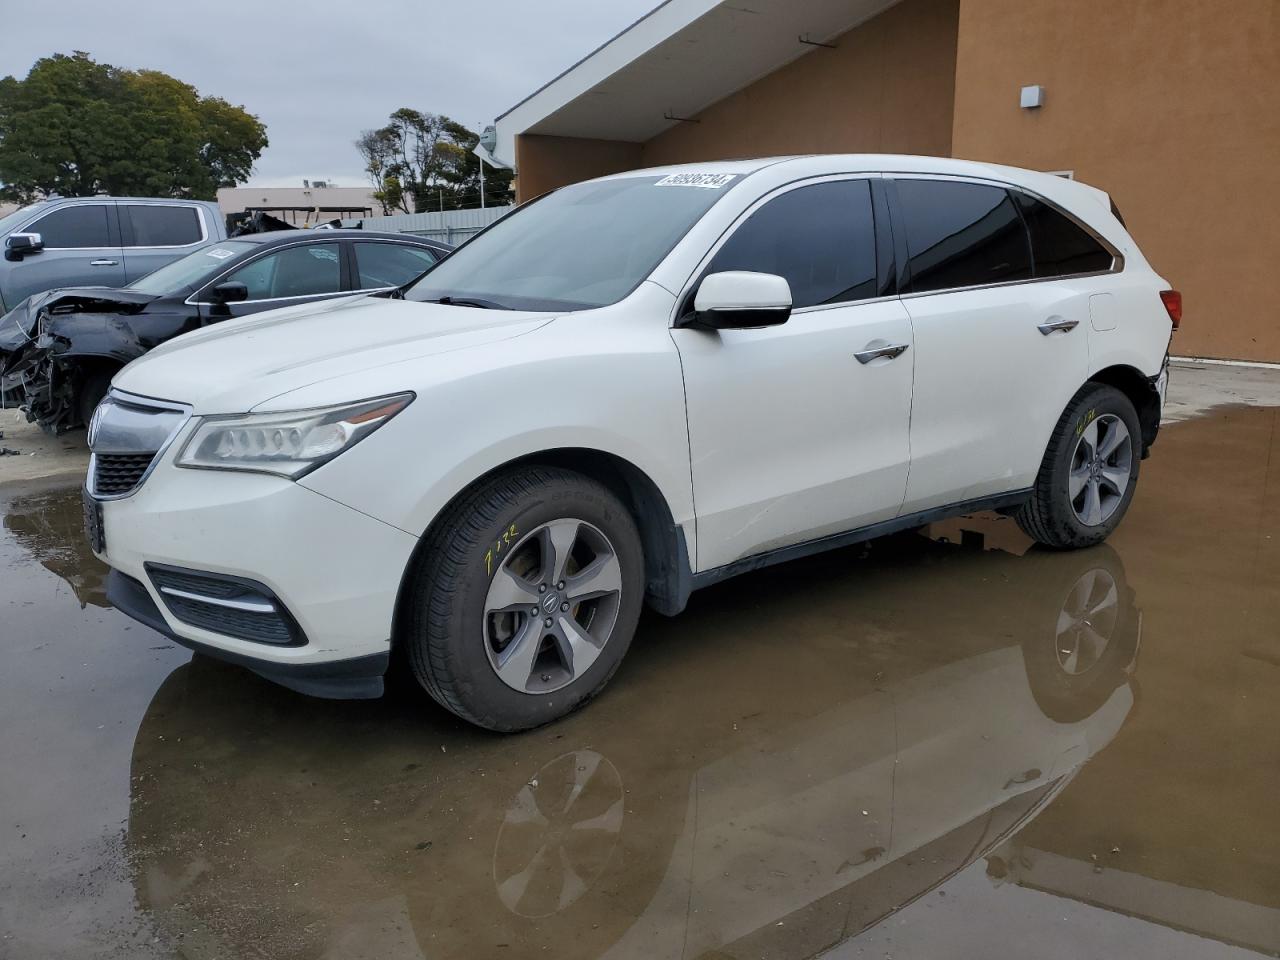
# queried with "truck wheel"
point(1089, 474)
point(525, 598)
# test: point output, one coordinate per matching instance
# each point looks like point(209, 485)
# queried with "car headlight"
point(289, 444)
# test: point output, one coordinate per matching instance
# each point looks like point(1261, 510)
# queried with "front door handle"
point(1061, 323)
point(889, 351)
point(103, 263)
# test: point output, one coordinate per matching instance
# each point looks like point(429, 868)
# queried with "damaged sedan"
point(60, 349)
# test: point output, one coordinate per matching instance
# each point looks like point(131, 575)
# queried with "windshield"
point(190, 271)
point(587, 245)
point(9, 222)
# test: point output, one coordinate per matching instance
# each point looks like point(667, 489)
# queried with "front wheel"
point(525, 598)
point(1089, 474)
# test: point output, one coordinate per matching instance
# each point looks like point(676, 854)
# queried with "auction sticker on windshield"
point(219, 254)
point(710, 181)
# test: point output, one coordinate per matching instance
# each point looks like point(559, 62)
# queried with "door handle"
point(103, 263)
point(1062, 323)
point(874, 353)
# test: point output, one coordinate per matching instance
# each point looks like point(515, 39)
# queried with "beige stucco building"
point(1172, 106)
point(324, 203)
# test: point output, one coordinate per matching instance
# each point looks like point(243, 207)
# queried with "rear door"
point(285, 276)
point(791, 436)
point(81, 249)
point(153, 234)
point(998, 354)
point(383, 264)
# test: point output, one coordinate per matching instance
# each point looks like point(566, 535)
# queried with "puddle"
point(948, 744)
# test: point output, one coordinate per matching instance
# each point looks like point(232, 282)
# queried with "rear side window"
point(1060, 246)
point(821, 238)
point(292, 272)
point(961, 235)
point(84, 225)
point(390, 264)
point(160, 226)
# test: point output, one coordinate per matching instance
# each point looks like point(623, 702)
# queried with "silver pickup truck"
point(97, 241)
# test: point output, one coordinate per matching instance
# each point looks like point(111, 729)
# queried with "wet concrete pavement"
point(940, 745)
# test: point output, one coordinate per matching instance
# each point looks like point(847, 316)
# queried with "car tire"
point(1084, 485)
point(473, 640)
point(93, 388)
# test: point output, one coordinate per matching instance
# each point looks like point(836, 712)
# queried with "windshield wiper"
point(468, 302)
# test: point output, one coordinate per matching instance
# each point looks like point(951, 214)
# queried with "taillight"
point(1173, 304)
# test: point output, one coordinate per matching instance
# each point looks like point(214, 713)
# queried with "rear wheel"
point(1089, 474)
point(525, 599)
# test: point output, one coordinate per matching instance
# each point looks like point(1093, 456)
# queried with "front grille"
point(127, 434)
point(219, 604)
point(117, 473)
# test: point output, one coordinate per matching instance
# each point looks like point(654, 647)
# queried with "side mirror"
point(230, 292)
point(19, 245)
point(740, 299)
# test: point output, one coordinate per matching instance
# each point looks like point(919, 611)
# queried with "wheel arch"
point(1135, 385)
point(668, 573)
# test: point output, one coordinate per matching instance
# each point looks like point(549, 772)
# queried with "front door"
point(792, 437)
point(286, 277)
point(81, 249)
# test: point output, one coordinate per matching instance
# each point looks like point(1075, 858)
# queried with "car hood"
point(235, 365)
point(19, 324)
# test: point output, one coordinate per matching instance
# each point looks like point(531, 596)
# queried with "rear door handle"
point(1061, 323)
point(889, 351)
point(103, 263)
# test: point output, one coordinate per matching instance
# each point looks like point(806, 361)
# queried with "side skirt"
point(908, 521)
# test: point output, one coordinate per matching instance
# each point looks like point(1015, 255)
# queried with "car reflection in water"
point(805, 752)
point(49, 527)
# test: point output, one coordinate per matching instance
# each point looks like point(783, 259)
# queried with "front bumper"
point(335, 571)
point(358, 678)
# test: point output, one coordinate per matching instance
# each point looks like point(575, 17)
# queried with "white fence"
point(451, 226)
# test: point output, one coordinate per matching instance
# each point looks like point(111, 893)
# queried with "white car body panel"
point(755, 439)
point(827, 437)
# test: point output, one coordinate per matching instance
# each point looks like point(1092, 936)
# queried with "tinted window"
point(79, 226)
point(292, 272)
point(961, 234)
point(821, 238)
point(390, 264)
point(155, 226)
point(1059, 246)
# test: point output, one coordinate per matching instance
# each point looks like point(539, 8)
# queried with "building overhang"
point(673, 63)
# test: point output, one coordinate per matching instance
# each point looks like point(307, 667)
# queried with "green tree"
point(425, 161)
point(76, 127)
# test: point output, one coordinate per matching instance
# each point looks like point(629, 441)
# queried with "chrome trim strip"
point(248, 606)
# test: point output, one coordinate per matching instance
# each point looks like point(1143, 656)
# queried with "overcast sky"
point(317, 72)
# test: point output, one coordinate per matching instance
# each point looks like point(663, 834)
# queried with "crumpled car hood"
point(19, 324)
point(234, 365)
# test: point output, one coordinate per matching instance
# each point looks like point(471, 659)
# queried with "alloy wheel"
point(1100, 470)
point(552, 604)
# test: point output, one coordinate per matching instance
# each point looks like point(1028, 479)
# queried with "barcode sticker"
point(708, 181)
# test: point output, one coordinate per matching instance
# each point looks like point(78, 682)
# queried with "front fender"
point(104, 336)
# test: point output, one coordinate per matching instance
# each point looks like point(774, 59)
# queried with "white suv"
point(625, 390)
